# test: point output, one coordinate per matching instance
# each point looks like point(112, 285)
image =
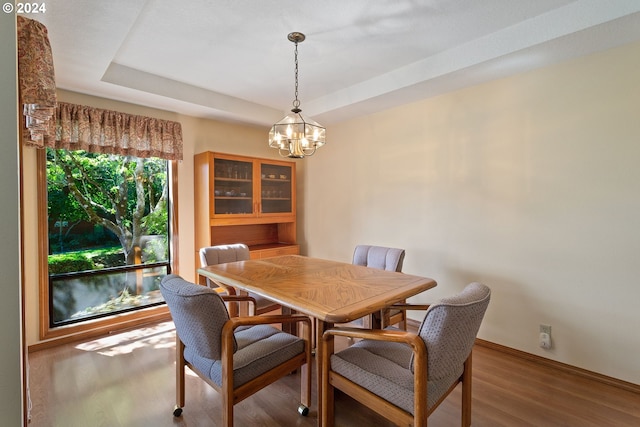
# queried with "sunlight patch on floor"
point(161, 335)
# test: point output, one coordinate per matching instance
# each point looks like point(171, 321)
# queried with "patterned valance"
point(79, 127)
point(36, 80)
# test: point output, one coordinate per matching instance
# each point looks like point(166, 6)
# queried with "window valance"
point(79, 127)
point(36, 80)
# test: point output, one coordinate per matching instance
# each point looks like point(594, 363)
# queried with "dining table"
point(329, 291)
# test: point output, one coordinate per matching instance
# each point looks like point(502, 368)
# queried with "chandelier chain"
point(296, 102)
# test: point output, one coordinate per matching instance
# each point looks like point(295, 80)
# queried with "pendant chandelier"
point(296, 136)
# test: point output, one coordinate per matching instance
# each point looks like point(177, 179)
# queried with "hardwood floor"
point(128, 380)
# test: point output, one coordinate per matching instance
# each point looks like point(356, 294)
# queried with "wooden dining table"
point(329, 291)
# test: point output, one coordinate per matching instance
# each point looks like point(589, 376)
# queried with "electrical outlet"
point(545, 340)
point(545, 336)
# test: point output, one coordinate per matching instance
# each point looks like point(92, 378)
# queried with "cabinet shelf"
point(217, 178)
point(232, 198)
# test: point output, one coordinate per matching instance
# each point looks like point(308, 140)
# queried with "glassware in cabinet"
point(233, 187)
point(276, 188)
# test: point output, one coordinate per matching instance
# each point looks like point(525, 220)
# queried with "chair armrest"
point(228, 289)
point(375, 334)
point(266, 320)
point(238, 298)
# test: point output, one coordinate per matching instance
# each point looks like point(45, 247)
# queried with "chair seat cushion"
point(260, 349)
point(384, 368)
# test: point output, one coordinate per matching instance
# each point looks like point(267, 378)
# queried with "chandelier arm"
point(309, 151)
point(283, 152)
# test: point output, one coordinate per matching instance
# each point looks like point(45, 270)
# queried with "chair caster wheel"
point(177, 411)
point(303, 410)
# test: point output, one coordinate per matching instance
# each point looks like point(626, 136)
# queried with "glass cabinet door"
point(276, 188)
point(233, 187)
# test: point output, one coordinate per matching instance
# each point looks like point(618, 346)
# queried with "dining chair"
point(383, 258)
point(220, 254)
point(405, 376)
point(237, 356)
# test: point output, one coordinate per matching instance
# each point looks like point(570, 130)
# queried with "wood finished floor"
point(128, 380)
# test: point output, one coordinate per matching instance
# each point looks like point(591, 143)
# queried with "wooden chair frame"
point(231, 395)
point(331, 380)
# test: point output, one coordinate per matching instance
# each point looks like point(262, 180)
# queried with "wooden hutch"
point(249, 200)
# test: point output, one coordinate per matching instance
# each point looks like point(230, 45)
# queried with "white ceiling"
point(231, 60)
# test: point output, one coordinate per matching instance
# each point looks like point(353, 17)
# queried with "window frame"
point(117, 321)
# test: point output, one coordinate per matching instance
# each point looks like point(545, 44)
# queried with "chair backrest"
point(379, 257)
point(198, 313)
point(220, 254)
point(450, 327)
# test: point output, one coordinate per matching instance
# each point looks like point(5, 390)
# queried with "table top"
point(331, 291)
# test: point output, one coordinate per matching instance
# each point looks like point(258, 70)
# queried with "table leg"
point(290, 328)
point(375, 320)
point(244, 308)
point(321, 326)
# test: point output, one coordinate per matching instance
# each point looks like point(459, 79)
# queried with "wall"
point(530, 184)
point(10, 303)
point(198, 135)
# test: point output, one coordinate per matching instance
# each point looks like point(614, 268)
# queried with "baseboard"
point(413, 325)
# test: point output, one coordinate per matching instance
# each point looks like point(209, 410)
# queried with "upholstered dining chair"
point(237, 356)
point(383, 258)
point(220, 254)
point(405, 376)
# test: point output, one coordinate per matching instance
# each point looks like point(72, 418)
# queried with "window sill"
point(101, 327)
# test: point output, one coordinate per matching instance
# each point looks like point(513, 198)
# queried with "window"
point(109, 234)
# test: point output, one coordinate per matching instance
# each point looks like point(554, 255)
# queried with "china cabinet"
point(240, 199)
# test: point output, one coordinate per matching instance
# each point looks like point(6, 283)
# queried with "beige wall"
point(10, 312)
point(198, 134)
point(530, 184)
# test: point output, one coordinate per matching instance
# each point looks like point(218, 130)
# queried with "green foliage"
point(69, 262)
point(157, 222)
point(124, 194)
point(112, 259)
point(93, 259)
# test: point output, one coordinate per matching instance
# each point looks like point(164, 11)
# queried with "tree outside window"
point(109, 237)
